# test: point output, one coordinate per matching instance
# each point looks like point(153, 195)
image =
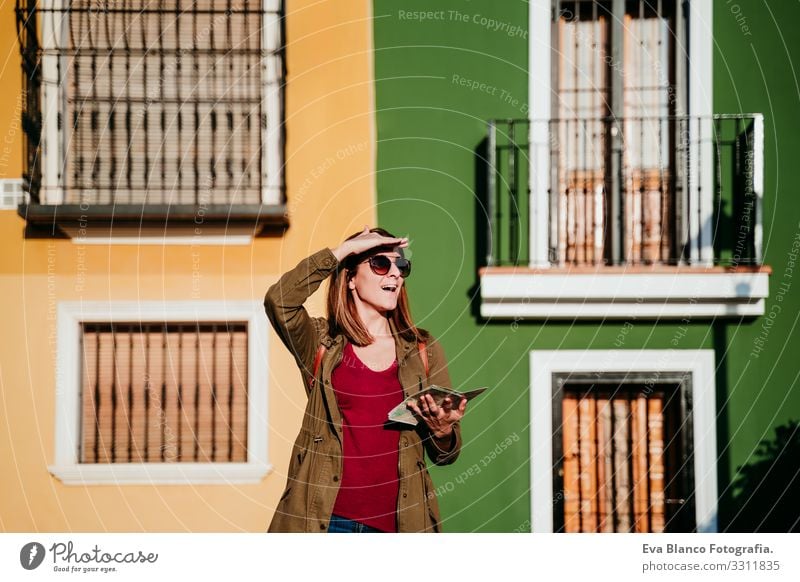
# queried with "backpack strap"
point(317, 362)
point(423, 354)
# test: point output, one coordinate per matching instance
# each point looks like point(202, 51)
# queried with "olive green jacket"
point(315, 467)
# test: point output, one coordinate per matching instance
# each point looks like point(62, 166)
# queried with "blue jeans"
point(341, 524)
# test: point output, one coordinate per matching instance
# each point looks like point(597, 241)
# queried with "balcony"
point(152, 122)
point(624, 218)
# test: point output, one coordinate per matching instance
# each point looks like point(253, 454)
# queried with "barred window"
point(170, 102)
point(617, 80)
point(164, 393)
point(147, 392)
point(624, 463)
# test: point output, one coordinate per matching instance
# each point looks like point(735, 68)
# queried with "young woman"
point(351, 470)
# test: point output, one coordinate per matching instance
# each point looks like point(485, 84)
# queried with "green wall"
point(439, 76)
point(756, 58)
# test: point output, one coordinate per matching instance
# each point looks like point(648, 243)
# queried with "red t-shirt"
point(368, 491)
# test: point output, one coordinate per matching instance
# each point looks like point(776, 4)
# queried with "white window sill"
point(616, 293)
point(161, 474)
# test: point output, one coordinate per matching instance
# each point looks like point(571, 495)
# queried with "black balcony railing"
point(622, 191)
point(152, 110)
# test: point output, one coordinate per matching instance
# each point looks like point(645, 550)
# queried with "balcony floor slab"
point(657, 292)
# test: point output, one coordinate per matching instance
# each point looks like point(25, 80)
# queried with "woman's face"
point(380, 292)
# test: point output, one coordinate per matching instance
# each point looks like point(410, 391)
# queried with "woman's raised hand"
point(365, 241)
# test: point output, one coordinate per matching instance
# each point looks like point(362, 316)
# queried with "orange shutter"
point(156, 394)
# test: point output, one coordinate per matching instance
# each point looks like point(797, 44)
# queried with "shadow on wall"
point(482, 221)
point(767, 491)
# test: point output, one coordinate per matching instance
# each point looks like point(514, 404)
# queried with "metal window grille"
point(628, 177)
point(662, 204)
point(164, 393)
point(140, 102)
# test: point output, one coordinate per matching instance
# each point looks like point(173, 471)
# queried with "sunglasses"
point(381, 264)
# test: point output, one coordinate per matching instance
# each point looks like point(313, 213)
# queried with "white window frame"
point(55, 140)
point(67, 468)
point(272, 152)
point(54, 21)
point(700, 80)
point(699, 363)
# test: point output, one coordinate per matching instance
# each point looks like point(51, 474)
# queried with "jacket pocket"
point(430, 503)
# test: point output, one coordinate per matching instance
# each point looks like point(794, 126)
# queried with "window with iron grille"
point(153, 104)
point(623, 160)
point(149, 392)
point(163, 393)
point(618, 91)
point(624, 462)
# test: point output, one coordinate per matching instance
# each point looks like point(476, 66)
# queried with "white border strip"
point(609, 310)
point(272, 152)
point(540, 94)
point(52, 153)
point(758, 183)
point(566, 295)
point(701, 80)
point(161, 240)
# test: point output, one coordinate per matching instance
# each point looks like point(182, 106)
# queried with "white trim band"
point(622, 295)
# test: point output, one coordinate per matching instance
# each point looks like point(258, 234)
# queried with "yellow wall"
point(330, 164)
point(11, 101)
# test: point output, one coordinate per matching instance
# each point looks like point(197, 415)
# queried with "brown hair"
point(342, 314)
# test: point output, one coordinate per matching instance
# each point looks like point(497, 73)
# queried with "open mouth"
point(390, 288)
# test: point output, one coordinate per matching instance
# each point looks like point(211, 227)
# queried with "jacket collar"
point(403, 346)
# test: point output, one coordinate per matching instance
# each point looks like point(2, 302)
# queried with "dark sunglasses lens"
point(380, 264)
point(405, 267)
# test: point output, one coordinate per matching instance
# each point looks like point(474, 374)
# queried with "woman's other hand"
point(366, 241)
point(440, 419)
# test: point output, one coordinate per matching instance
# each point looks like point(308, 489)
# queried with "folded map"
point(401, 412)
